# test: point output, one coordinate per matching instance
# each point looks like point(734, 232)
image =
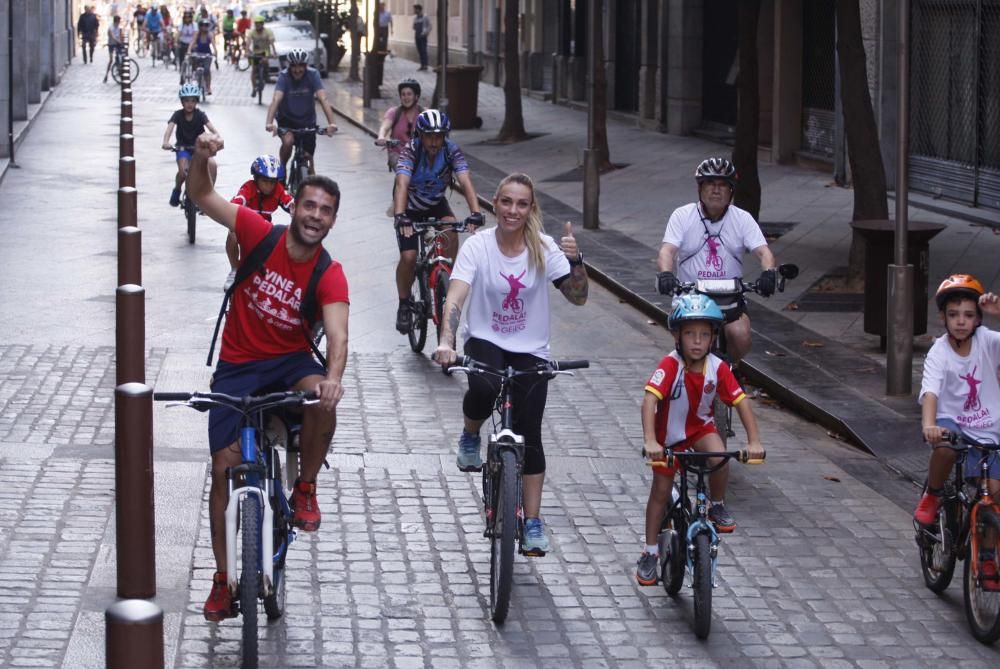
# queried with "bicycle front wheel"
point(937, 544)
point(274, 603)
point(702, 585)
point(982, 598)
point(241, 62)
point(191, 214)
point(249, 577)
point(118, 75)
point(417, 334)
point(504, 535)
point(675, 562)
point(439, 290)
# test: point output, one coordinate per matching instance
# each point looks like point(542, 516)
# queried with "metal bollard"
point(134, 516)
point(126, 171)
point(126, 144)
point(126, 94)
point(133, 635)
point(128, 211)
point(129, 256)
point(126, 125)
point(130, 333)
point(126, 108)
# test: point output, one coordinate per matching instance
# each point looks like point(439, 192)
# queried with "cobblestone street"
point(822, 571)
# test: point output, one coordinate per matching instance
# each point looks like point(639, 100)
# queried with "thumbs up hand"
point(568, 243)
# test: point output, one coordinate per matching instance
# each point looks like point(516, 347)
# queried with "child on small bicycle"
point(677, 412)
point(189, 122)
point(263, 193)
point(959, 393)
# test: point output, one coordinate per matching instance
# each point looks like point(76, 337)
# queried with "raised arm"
point(199, 182)
point(576, 286)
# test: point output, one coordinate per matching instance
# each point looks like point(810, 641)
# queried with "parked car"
point(273, 10)
point(296, 34)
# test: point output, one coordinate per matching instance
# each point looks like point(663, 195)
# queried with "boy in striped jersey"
point(677, 413)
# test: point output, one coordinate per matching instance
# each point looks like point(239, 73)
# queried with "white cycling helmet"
point(298, 57)
point(189, 90)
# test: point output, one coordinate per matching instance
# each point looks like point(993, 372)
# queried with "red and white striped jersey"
point(686, 396)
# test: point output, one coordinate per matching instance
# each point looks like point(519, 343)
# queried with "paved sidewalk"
point(822, 364)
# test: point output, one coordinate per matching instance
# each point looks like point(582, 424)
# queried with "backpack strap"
point(307, 308)
point(253, 262)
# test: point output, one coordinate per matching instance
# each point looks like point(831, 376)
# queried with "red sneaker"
point(927, 508)
point(305, 508)
point(988, 575)
point(219, 604)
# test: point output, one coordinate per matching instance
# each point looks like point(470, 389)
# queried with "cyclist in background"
point(707, 239)
point(399, 122)
point(243, 24)
point(228, 29)
point(154, 26)
point(260, 44)
point(296, 92)
point(186, 32)
point(264, 192)
point(116, 42)
point(516, 334)
point(423, 173)
point(189, 122)
point(203, 52)
point(139, 19)
point(677, 412)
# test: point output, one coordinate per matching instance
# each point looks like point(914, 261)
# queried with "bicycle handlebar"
point(203, 401)
point(177, 147)
point(550, 368)
point(960, 442)
point(389, 143)
point(302, 131)
point(742, 455)
point(434, 224)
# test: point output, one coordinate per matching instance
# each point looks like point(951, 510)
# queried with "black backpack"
point(254, 262)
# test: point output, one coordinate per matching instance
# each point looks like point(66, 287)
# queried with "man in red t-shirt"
point(677, 412)
point(264, 342)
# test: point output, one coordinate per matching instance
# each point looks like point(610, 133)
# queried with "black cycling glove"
point(476, 219)
point(665, 283)
point(767, 282)
point(402, 221)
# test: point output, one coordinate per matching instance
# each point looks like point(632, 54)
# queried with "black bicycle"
point(257, 508)
point(118, 66)
point(727, 293)
point(502, 477)
point(301, 162)
point(967, 525)
point(259, 79)
point(430, 280)
point(688, 540)
point(188, 206)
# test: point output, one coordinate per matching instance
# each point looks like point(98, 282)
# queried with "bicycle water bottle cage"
point(719, 286)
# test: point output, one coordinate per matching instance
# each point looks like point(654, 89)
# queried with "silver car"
point(297, 34)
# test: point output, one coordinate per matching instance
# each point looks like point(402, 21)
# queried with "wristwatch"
point(577, 262)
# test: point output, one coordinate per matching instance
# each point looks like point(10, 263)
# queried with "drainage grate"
point(774, 229)
point(828, 295)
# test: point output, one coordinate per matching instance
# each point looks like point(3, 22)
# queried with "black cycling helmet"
point(412, 84)
point(433, 122)
point(716, 168)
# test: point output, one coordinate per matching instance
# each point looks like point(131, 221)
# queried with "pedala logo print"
point(511, 318)
point(974, 415)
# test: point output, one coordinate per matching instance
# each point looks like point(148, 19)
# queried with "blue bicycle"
point(688, 540)
point(258, 508)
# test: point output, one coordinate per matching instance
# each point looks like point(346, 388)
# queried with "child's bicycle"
point(502, 477)
point(118, 66)
point(258, 509)
point(188, 206)
point(688, 540)
point(300, 163)
point(728, 292)
point(967, 527)
point(430, 280)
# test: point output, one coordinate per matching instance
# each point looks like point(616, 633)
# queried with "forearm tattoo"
point(454, 316)
point(576, 285)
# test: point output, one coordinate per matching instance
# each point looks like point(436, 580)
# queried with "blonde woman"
point(502, 273)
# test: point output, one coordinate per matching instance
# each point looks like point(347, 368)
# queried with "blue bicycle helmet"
point(433, 122)
point(696, 307)
point(267, 167)
point(189, 90)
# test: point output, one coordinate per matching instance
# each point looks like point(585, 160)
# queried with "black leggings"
point(527, 393)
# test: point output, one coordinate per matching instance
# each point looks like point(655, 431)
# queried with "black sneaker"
point(721, 518)
point(646, 568)
point(403, 318)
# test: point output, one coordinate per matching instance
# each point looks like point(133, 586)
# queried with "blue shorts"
point(973, 456)
point(251, 378)
point(183, 153)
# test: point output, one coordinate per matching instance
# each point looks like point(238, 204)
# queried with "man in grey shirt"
point(421, 29)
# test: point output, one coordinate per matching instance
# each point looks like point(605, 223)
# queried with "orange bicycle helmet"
point(964, 285)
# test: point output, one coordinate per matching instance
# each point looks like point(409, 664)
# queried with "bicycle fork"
point(252, 474)
point(701, 526)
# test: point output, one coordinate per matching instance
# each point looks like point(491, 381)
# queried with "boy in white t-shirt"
point(960, 393)
point(677, 413)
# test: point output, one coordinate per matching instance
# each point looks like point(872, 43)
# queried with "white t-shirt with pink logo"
point(711, 250)
point(508, 303)
point(967, 388)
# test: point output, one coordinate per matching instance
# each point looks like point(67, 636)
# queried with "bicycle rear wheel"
point(721, 411)
point(702, 585)
point(249, 577)
point(982, 605)
point(116, 70)
point(417, 334)
point(938, 545)
point(504, 535)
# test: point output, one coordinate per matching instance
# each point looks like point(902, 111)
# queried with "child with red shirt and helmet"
point(677, 412)
point(264, 193)
point(959, 392)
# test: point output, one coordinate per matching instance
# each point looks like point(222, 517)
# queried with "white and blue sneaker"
point(534, 543)
point(469, 459)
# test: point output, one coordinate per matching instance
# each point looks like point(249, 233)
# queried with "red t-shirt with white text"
point(263, 320)
point(265, 205)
